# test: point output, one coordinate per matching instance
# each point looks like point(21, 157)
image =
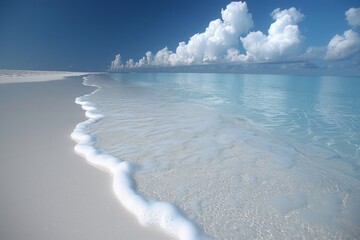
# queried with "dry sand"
point(46, 190)
point(17, 76)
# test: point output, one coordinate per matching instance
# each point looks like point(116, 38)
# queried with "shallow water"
point(242, 156)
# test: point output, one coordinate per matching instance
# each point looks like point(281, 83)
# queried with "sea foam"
point(149, 212)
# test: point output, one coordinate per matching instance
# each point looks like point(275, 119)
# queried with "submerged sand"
point(46, 190)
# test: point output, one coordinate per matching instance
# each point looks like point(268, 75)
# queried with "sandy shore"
point(19, 76)
point(46, 190)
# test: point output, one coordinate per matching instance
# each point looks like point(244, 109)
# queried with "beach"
point(47, 191)
point(193, 156)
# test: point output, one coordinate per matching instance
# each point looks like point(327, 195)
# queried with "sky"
point(86, 35)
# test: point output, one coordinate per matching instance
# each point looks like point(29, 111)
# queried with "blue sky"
point(86, 35)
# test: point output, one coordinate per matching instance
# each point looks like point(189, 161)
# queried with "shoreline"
point(47, 190)
point(149, 212)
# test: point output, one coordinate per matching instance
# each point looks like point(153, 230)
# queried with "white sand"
point(46, 190)
point(17, 76)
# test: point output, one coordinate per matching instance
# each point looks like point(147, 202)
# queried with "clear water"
point(241, 156)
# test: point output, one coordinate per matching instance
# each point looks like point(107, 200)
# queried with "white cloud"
point(221, 40)
point(224, 37)
point(234, 55)
point(219, 36)
point(343, 46)
point(353, 16)
point(130, 63)
point(283, 40)
point(162, 57)
point(313, 53)
point(116, 64)
point(212, 45)
point(145, 60)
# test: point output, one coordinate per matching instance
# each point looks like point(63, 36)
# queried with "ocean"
point(229, 156)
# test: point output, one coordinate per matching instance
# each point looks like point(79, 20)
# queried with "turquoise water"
point(239, 156)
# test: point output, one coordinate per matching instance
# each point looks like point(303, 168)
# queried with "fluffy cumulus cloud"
point(207, 47)
point(353, 16)
point(345, 46)
point(116, 63)
point(219, 36)
point(283, 40)
point(221, 41)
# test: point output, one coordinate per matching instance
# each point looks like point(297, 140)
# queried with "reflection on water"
point(322, 110)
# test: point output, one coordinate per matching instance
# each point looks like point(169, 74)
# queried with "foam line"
point(149, 212)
